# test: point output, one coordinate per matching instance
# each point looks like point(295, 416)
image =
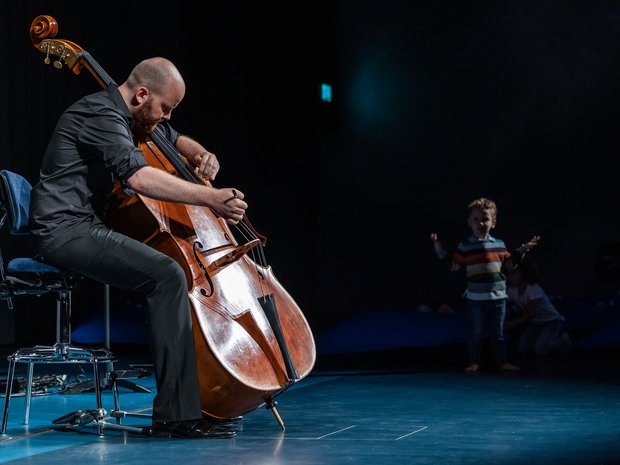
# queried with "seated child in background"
point(539, 321)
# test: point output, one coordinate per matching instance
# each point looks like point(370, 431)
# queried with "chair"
point(28, 276)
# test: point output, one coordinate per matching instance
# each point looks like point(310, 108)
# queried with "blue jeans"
point(485, 318)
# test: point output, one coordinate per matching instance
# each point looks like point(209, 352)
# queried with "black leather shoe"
point(234, 421)
point(194, 429)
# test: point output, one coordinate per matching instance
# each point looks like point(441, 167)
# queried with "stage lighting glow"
point(326, 92)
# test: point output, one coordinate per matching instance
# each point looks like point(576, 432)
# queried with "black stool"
point(28, 276)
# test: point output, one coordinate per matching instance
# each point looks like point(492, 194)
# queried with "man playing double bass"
point(93, 145)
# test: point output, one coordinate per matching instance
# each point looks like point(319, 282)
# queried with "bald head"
point(156, 74)
point(153, 89)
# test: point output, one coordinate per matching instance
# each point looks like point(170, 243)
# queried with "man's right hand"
point(229, 204)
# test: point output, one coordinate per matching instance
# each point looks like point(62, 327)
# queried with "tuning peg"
point(58, 63)
point(47, 60)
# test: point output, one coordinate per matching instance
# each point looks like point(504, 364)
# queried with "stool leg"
point(28, 391)
point(9, 391)
point(117, 403)
point(97, 383)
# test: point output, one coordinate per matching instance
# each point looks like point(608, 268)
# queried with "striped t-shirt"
point(482, 260)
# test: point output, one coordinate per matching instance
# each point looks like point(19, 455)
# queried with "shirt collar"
point(473, 238)
point(116, 96)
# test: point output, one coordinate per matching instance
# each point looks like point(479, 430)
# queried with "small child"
point(484, 259)
point(541, 323)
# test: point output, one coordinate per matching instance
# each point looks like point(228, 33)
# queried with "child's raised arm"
point(529, 245)
point(439, 250)
point(522, 250)
point(442, 254)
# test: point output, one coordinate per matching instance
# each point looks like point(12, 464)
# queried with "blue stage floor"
point(556, 412)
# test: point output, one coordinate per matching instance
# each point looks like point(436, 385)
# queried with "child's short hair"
point(483, 204)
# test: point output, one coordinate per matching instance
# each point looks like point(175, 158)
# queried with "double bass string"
point(183, 167)
point(98, 70)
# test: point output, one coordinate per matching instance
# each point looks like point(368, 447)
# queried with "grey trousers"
point(95, 251)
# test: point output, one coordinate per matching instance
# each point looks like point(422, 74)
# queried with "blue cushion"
point(29, 265)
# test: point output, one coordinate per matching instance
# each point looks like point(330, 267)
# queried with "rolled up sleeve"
point(108, 137)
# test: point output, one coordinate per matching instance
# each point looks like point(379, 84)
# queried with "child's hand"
point(533, 242)
point(439, 250)
point(525, 248)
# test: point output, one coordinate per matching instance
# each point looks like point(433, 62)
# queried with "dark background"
point(435, 103)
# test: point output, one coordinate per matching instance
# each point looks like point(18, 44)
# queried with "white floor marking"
point(337, 431)
point(413, 432)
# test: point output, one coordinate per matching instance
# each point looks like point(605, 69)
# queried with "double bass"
point(252, 340)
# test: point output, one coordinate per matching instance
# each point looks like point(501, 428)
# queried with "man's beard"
point(142, 123)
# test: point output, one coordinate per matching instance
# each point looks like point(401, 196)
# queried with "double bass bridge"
point(222, 262)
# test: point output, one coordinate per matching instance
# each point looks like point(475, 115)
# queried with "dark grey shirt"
point(92, 146)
